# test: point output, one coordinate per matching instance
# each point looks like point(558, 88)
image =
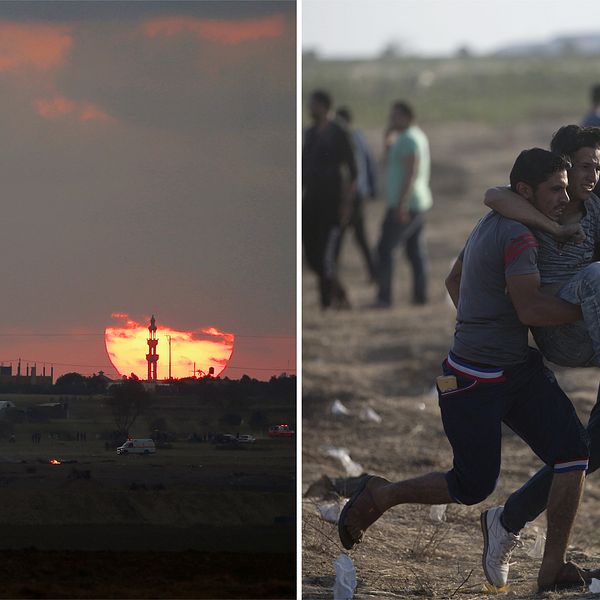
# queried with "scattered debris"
point(330, 511)
point(337, 408)
point(537, 550)
point(345, 578)
point(352, 468)
point(437, 512)
point(368, 414)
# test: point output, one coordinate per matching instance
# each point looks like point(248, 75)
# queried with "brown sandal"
point(571, 576)
point(363, 501)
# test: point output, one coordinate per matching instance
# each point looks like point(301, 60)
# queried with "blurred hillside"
point(494, 90)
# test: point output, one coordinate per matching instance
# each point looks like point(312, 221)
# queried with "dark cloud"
point(182, 205)
point(103, 10)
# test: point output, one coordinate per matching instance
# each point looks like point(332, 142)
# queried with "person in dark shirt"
point(366, 187)
point(328, 186)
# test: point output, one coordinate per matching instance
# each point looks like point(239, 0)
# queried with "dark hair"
point(344, 113)
point(534, 166)
point(570, 138)
point(405, 108)
point(322, 97)
point(596, 94)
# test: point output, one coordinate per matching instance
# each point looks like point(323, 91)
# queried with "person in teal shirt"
point(408, 199)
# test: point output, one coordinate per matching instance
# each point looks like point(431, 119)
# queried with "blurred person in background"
point(366, 187)
point(408, 199)
point(328, 188)
point(592, 118)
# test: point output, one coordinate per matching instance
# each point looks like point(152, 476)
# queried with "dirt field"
point(388, 360)
point(190, 522)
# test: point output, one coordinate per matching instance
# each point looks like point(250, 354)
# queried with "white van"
point(137, 446)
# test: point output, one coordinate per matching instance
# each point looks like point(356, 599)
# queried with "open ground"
point(387, 360)
point(191, 521)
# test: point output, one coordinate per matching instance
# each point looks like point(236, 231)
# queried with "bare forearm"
point(545, 310)
point(513, 206)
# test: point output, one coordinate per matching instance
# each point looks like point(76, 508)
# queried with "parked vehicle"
point(137, 446)
point(280, 431)
point(246, 439)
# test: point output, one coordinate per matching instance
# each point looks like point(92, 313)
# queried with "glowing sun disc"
point(127, 346)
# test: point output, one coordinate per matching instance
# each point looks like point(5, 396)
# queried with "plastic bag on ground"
point(537, 550)
point(330, 511)
point(437, 512)
point(345, 578)
point(352, 468)
point(337, 408)
point(595, 586)
point(368, 414)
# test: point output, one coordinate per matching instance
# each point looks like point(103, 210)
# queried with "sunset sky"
point(148, 167)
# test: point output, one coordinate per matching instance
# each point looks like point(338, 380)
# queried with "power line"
point(93, 334)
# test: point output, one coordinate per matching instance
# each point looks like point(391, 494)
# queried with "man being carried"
point(570, 268)
point(491, 376)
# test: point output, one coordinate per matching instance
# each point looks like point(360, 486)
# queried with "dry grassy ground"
point(189, 522)
point(388, 360)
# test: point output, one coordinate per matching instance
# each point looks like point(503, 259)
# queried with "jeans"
point(320, 235)
point(576, 344)
point(530, 500)
point(411, 236)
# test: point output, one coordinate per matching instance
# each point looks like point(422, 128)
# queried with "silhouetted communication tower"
point(152, 357)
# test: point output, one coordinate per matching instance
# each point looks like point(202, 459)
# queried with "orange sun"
point(127, 347)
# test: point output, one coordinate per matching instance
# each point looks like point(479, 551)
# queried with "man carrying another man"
point(491, 376)
point(567, 268)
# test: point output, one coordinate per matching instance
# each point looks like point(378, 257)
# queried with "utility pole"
point(169, 337)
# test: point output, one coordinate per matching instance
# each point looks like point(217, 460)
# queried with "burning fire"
point(54, 461)
point(126, 345)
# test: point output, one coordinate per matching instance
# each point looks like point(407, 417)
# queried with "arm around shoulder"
point(512, 206)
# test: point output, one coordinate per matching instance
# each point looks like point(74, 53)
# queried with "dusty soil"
point(192, 522)
point(52, 574)
point(388, 360)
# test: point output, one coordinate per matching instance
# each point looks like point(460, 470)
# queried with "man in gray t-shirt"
point(568, 268)
point(488, 329)
point(492, 377)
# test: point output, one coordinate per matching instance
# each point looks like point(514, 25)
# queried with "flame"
point(217, 30)
point(127, 347)
point(54, 461)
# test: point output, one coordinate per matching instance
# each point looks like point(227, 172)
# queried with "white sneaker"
point(498, 544)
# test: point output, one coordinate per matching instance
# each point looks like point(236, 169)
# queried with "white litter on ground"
point(330, 511)
point(337, 408)
point(537, 550)
point(368, 414)
point(353, 469)
point(437, 512)
point(345, 578)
